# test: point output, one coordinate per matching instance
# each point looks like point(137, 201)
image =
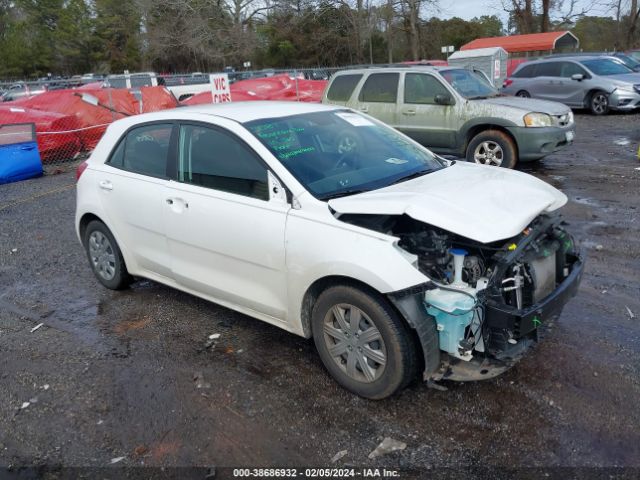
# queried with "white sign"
point(246, 64)
point(220, 92)
point(443, 49)
point(496, 69)
point(451, 48)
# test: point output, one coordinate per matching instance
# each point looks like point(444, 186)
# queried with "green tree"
point(117, 30)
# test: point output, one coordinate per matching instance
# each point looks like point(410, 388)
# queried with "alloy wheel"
point(354, 343)
point(600, 103)
point(489, 153)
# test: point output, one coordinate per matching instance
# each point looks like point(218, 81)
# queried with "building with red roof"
point(524, 47)
point(532, 43)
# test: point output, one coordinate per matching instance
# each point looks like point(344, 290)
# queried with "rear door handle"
point(27, 147)
point(409, 112)
point(364, 109)
point(105, 185)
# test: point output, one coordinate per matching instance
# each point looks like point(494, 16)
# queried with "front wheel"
point(492, 147)
point(599, 103)
point(523, 94)
point(362, 342)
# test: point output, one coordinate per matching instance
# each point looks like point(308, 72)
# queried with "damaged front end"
point(486, 304)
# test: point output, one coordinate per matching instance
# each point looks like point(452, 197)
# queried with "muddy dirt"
point(127, 374)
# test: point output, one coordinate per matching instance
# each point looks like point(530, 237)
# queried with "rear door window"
point(380, 88)
point(528, 71)
point(144, 150)
point(342, 87)
point(548, 69)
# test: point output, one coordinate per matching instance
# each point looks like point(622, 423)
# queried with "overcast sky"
point(468, 9)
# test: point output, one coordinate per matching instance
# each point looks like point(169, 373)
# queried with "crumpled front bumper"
point(524, 325)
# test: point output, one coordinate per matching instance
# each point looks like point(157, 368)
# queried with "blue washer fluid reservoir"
point(453, 313)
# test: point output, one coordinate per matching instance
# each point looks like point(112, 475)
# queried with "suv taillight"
point(507, 82)
point(81, 168)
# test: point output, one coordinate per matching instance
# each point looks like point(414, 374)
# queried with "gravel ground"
point(126, 374)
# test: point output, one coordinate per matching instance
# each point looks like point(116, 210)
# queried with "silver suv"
point(455, 111)
point(597, 83)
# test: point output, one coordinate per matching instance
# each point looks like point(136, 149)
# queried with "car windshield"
point(628, 61)
point(338, 153)
point(605, 66)
point(469, 84)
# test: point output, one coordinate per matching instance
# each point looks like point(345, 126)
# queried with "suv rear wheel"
point(492, 147)
point(362, 342)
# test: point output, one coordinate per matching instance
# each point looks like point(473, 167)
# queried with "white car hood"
point(529, 104)
point(481, 203)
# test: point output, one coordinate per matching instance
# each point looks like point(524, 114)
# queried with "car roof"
point(560, 58)
point(394, 69)
point(249, 111)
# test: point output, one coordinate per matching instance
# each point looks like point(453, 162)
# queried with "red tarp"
point(278, 87)
point(113, 104)
point(54, 131)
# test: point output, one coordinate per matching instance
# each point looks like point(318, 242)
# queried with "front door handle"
point(177, 201)
point(364, 109)
point(105, 185)
point(409, 112)
point(27, 147)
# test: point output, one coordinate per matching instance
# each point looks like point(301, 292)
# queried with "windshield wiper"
point(417, 174)
point(342, 193)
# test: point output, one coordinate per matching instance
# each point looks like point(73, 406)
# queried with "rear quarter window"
point(528, 71)
point(342, 87)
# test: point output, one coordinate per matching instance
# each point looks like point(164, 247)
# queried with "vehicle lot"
point(129, 373)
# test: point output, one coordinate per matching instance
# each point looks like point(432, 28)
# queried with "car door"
point(572, 91)
point(546, 81)
point(225, 221)
point(379, 96)
point(132, 190)
point(421, 117)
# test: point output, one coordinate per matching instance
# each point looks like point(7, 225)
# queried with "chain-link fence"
point(71, 114)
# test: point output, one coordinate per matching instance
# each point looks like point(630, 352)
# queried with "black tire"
point(523, 94)
point(401, 358)
point(508, 154)
point(599, 103)
point(120, 278)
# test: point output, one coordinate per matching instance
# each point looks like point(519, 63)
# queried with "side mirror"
point(577, 76)
point(277, 192)
point(443, 99)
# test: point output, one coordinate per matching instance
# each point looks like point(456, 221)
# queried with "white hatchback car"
point(331, 225)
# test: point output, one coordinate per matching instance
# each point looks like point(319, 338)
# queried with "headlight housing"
point(536, 119)
point(630, 88)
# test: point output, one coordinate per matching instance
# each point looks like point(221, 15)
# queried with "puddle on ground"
point(586, 201)
point(622, 141)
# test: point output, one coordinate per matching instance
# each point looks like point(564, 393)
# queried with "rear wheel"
point(362, 342)
point(599, 103)
point(523, 94)
point(105, 256)
point(492, 147)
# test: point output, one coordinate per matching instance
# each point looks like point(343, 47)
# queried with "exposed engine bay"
point(487, 300)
